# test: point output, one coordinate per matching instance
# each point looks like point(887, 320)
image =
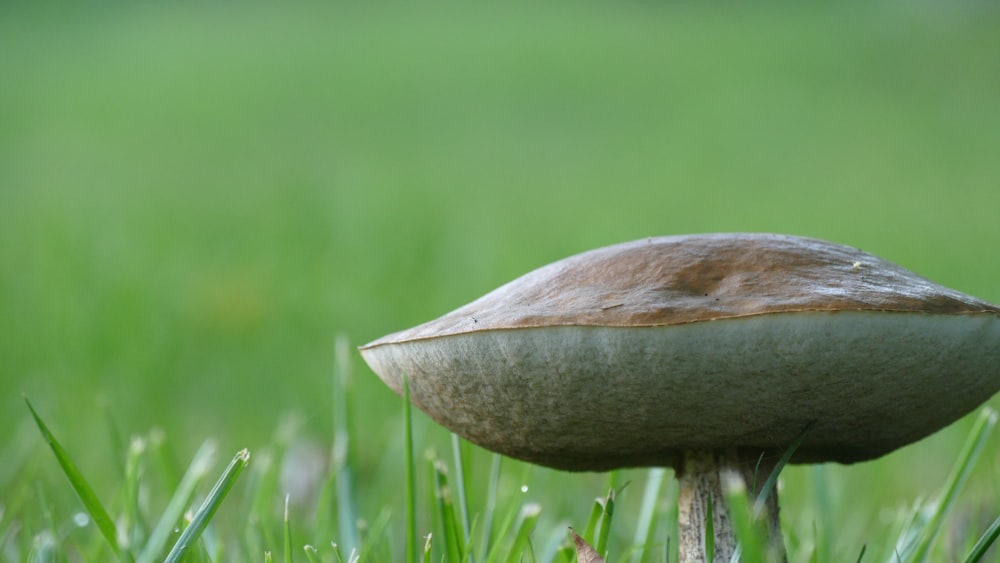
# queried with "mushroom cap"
point(631, 354)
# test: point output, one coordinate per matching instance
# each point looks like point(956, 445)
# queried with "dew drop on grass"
point(81, 519)
point(524, 488)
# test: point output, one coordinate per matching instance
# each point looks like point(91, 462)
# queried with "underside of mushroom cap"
point(631, 354)
point(596, 398)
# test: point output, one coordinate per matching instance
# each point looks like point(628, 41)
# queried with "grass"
point(445, 537)
point(195, 200)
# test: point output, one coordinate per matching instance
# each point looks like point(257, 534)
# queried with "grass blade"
point(526, 525)
point(114, 438)
point(373, 540)
point(985, 542)
point(595, 518)
point(824, 514)
point(762, 493)
point(200, 464)
point(427, 549)
point(749, 535)
point(605, 528)
point(130, 530)
point(445, 510)
point(505, 527)
point(208, 508)
point(325, 501)
point(463, 507)
point(83, 489)
point(411, 477)
point(489, 514)
point(346, 504)
point(956, 480)
point(646, 526)
point(257, 516)
point(288, 533)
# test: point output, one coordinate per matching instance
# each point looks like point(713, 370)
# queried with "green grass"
point(196, 200)
point(193, 536)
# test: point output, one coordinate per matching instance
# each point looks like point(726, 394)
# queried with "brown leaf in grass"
point(585, 553)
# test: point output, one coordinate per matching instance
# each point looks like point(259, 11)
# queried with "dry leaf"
point(585, 553)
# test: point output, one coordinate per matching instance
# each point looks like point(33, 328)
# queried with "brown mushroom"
point(702, 353)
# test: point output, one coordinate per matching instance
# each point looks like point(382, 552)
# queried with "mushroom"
point(706, 354)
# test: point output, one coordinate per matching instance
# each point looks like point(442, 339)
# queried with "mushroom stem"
point(703, 475)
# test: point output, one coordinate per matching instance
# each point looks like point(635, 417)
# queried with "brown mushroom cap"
point(630, 354)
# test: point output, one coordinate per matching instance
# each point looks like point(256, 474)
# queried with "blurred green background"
point(196, 198)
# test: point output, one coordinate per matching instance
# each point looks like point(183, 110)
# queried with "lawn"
point(198, 200)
